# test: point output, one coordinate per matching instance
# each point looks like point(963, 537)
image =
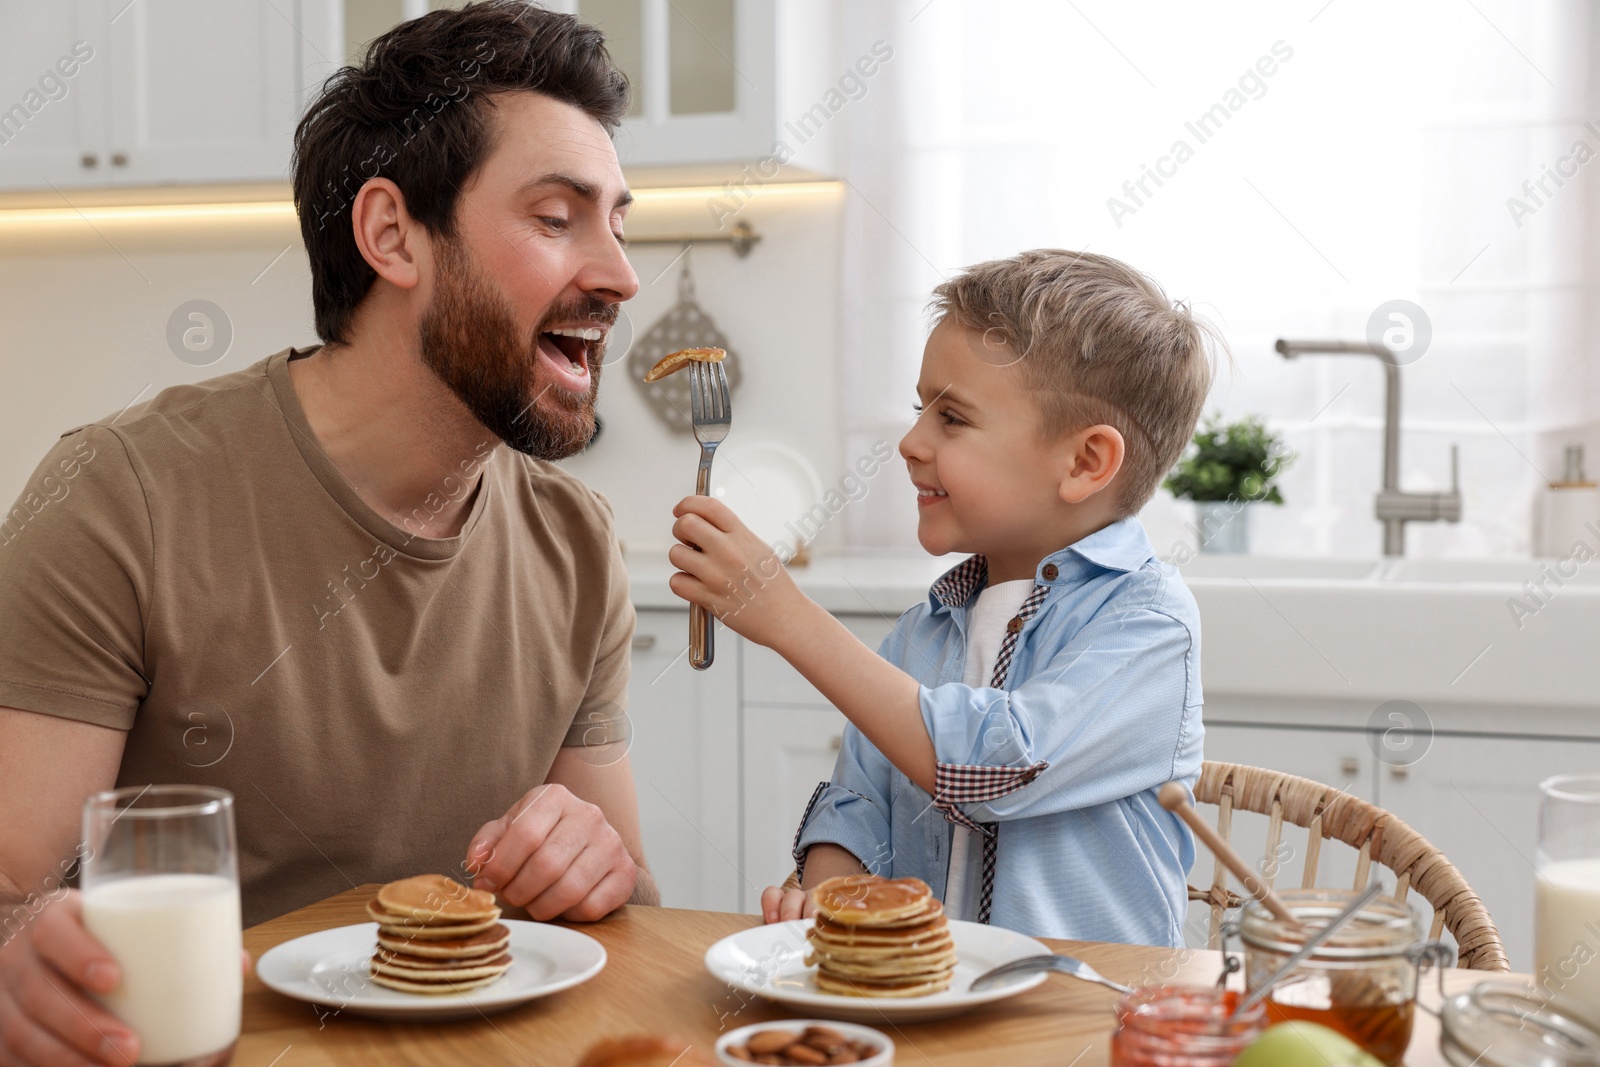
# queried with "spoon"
point(1048, 962)
point(1313, 943)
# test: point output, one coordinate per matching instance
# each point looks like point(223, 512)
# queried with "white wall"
point(84, 314)
point(83, 318)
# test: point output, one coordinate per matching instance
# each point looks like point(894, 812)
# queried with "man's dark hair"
point(414, 112)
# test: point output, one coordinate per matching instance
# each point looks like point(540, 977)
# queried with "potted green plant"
point(1228, 467)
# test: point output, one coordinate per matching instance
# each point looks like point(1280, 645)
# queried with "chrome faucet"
point(1392, 507)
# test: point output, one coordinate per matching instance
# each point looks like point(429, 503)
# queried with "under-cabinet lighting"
point(93, 213)
point(732, 195)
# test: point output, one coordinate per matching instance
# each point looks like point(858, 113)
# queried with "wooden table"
point(655, 982)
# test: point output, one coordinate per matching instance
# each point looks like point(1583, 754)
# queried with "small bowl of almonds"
point(805, 1042)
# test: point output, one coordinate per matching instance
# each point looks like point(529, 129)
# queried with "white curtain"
point(1339, 155)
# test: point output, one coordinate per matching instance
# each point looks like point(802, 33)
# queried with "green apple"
point(1300, 1044)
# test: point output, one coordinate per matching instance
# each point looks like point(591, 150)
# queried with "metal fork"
point(1065, 964)
point(712, 411)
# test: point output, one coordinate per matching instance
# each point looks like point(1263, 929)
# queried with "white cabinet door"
point(768, 678)
point(787, 751)
point(685, 758)
point(791, 740)
point(53, 115)
point(1477, 800)
point(1338, 758)
point(203, 91)
point(705, 77)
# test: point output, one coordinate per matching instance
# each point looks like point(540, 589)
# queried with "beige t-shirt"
point(198, 573)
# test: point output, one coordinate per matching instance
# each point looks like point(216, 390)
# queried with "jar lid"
point(1382, 929)
point(1500, 1024)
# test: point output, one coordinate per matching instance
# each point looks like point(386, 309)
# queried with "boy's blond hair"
point(1098, 342)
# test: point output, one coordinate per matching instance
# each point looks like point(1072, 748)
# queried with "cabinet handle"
point(89, 160)
point(1350, 765)
point(644, 642)
point(1397, 771)
point(119, 159)
point(836, 743)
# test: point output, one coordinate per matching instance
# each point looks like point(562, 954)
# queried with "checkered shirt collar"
point(958, 585)
point(1120, 546)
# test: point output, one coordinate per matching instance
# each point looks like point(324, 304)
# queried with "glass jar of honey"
point(1501, 1024)
point(1182, 1026)
point(1362, 982)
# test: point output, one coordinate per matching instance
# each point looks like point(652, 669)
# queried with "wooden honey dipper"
point(1175, 799)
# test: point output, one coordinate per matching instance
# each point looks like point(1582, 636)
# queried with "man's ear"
point(1092, 456)
point(386, 233)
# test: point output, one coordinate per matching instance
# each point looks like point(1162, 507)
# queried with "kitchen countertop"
point(845, 583)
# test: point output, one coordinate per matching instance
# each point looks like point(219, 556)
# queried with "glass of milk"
point(161, 893)
point(1567, 915)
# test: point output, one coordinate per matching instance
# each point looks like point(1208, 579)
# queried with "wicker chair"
point(1377, 836)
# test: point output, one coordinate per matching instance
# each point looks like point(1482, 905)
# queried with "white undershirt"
point(986, 631)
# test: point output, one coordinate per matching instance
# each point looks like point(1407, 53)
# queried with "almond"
point(769, 1041)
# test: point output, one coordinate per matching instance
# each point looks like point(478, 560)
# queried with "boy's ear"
point(1092, 458)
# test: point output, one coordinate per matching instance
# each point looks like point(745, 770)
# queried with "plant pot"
point(1222, 525)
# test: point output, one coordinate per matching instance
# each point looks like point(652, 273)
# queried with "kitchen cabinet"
point(720, 82)
point(791, 740)
point(787, 751)
point(1339, 758)
point(202, 92)
point(1477, 799)
point(685, 759)
point(712, 80)
point(162, 91)
point(187, 91)
point(724, 760)
point(1473, 795)
point(56, 57)
point(703, 75)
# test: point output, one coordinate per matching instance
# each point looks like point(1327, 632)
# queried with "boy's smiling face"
point(987, 478)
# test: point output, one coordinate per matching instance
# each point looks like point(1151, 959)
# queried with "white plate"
point(772, 488)
point(330, 968)
point(770, 961)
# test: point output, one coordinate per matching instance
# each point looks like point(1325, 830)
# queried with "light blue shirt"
point(1104, 688)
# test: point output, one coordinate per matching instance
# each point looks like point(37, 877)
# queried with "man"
point(345, 583)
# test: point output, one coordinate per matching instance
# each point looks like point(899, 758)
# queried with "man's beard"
point(470, 340)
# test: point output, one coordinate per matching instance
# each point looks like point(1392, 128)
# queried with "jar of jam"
point(1362, 982)
point(1501, 1024)
point(1182, 1026)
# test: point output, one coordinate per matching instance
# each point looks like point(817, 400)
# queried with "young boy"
point(1008, 739)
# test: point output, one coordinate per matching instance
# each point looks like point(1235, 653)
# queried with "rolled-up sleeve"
point(1107, 717)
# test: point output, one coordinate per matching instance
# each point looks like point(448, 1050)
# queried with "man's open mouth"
point(568, 350)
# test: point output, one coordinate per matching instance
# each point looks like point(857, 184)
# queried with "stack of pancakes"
point(437, 936)
point(874, 937)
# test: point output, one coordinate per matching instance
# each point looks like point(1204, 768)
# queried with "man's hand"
point(48, 971)
point(555, 855)
point(735, 575)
